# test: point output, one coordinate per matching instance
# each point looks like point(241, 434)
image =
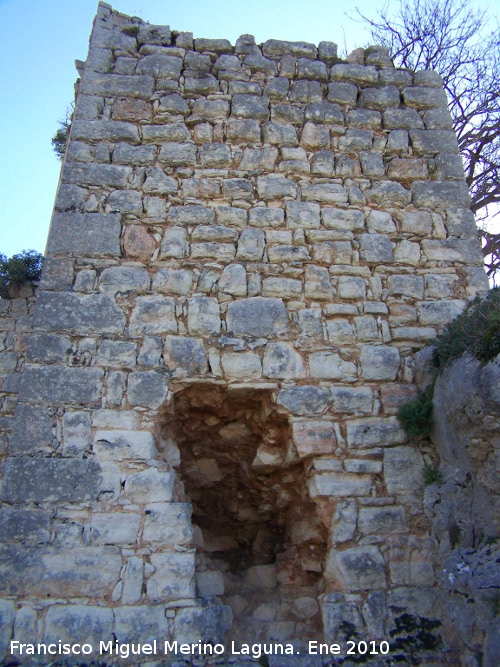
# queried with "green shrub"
point(25, 266)
point(431, 474)
point(476, 330)
point(416, 416)
point(60, 139)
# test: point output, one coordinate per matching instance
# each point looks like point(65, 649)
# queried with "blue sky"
point(41, 40)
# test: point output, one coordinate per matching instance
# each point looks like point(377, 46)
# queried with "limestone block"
point(78, 313)
point(116, 354)
point(211, 109)
point(325, 193)
point(230, 215)
point(342, 93)
point(382, 520)
point(200, 188)
point(358, 568)
point(173, 104)
point(338, 615)
point(304, 400)
point(403, 470)
point(46, 480)
point(317, 283)
point(410, 561)
point(173, 281)
point(440, 195)
point(339, 485)
point(104, 419)
point(379, 98)
point(243, 132)
point(259, 159)
point(460, 223)
point(285, 253)
point(424, 98)
point(168, 523)
point(219, 251)
point(123, 109)
point(278, 134)
point(24, 525)
point(241, 365)
point(439, 312)
point(78, 624)
point(302, 215)
point(31, 430)
point(376, 248)
point(125, 201)
point(402, 119)
point(330, 366)
point(344, 521)
point(77, 434)
point(275, 187)
point(325, 112)
point(374, 432)
point(406, 285)
point(314, 136)
point(257, 316)
point(349, 220)
point(306, 91)
point(234, 280)
point(340, 332)
point(387, 193)
point(175, 132)
point(158, 183)
point(354, 73)
point(407, 252)
point(104, 130)
point(93, 234)
point(251, 245)
point(351, 287)
point(287, 113)
point(177, 155)
point(417, 222)
point(203, 85)
point(119, 445)
point(160, 66)
point(146, 388)
point(153, 314)
point(281, 360)
point(174, 243)
point(132, 581)
point(237, 188)
point(118, 85)
point(173, 577)
point(322, 164)
point(287, 288)
point(250, 106)
point(266, 217)
point(185, 357)
point(437, 119)
point(114, 527)
point(150, 486)
point(206, 624)
point(367, 329)
point(140, 624)
point(438, 286)
point(313, 437)
point(215, 155)
point(24, 625)
point(79, 173)
point(352, 400)
point(365, 119)
point(204, 316)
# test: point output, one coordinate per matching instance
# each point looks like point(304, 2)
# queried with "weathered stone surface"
point(374, 432)
point(330, 366)
point(204, 316)
point(304, 400)
point(381, 520)
point(338, 615)
point(241, 365)
point(123, 445)
point(147, 389)
point(206, 624)
point(354, 400)
point(358, 568)
point(313, 437)
point(174, 243)
point(24, 525)
point(78, 624)
point(376, 248)
point(93, 234)
point(114, 527)
point(281, 360)
point(168, 523)
point(173, 577)
point(153, 315)
point(42, 480)
point(257, 316)
point(31, 430)
point(440, 195)
point(139, 624)
point(424, 98)
point(78, 313)
point(119, 85)
point(403, 470)
point(132, 581)
point(53, 385)
point(78, 173)
point(150, 486)
point(339, 485)
point(185, 357)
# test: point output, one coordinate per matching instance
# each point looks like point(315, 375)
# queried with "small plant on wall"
point(18, 269)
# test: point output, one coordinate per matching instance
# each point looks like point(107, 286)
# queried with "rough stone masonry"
point(249, 246)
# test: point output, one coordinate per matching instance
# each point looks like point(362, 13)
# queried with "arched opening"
point(260, 542)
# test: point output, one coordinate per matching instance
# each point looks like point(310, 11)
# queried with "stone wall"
point(249, 245)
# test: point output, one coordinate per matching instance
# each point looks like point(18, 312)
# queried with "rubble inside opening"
point(260, 540)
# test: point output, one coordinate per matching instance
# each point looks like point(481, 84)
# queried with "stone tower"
point(249, 246)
